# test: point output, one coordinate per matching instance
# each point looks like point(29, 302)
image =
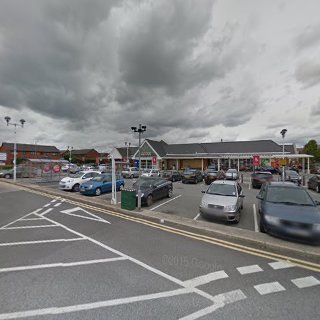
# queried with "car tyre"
point(318, 188)
point(76, 187)
point(149, 200)
point(170, 193)
point(98, 192)
point(262, 227)
point(237, 219)
point(7, 176)
point(131, 177)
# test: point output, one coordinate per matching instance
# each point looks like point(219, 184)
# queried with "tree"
point(312, 148)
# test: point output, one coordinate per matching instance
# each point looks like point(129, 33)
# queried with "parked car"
point(151, 173)
point(270, 169)
point(192, 175)
point(232, 174)
point(101, 184)
point(131, 172)
point(259, 178)
point(7, 174)
point(223, 200)
point(213, 175)
point(292, 176)
point(171, 175)
point(287, 210)
point(70, 167)
point(74, 181)
point(314, 183)
point(153, 189)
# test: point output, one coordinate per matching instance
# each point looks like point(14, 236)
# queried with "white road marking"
point(197, 216)
point(280, 265)
point(45, 212)
point(249, 269)
point(54, 200)
point(33, 227)
point(57, 204)
point(93, 305)
point(255, 218)
point(306, 282)
point(198, 281)
point(138, 262)
point(7, 244)
point(220, 301)
point(166, 202)
point(33, 212)
point(31, 219)
point(267, 288)
point(95, 217)
point(47, 205)
point(60, 264)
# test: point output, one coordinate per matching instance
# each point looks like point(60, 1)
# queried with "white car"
point(74, 181)
point(151, 173)
point(232, 174)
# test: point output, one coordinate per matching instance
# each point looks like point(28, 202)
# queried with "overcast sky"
point(81, 73)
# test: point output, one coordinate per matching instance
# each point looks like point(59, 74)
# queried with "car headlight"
point(316, 227)
point(90, 186)
point(272, 219)
point(230, 208)
point(204, 203)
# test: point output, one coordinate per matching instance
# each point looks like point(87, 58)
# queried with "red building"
point(29, 151)
point(83, 155)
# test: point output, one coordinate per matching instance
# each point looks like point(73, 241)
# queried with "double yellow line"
point(222, 243)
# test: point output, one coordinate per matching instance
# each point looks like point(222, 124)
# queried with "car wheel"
point(170, 193)
point(318, 188)
point(149, 200)
point(237, 218)
point(183, 181)
point(261, 227)
point(7, 176)
point(98, 192)
point(131, 177)
point(76, 187)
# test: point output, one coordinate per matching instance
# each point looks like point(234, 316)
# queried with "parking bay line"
point(12, 222)
point(165, 202)
point(32, 227)
point(197, 216)
point(255, 218)
point(60, 265)
point(8, 244)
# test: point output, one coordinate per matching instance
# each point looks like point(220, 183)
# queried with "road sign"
point(256, 161)
point(3, 156)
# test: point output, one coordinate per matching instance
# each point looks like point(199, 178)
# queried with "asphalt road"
point(60, 261)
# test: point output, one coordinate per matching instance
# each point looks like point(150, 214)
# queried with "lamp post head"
point(283, 132)
point(144, 128)
point(7, 120)
point(22, 121)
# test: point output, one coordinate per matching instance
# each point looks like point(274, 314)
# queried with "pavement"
point(61, 259)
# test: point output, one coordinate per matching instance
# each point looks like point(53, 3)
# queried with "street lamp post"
point(128, 144)
point(140, 130)
point(69, 148)
point(21, 124)
point(283, 133)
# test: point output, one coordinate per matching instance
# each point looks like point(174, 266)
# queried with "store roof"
point(31, 147)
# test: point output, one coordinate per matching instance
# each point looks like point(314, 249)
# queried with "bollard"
point(241, 178)
point(303, 180)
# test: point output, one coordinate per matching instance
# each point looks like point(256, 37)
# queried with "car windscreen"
point(285, 195)
point(145, 182)
point(292, 173)
point(232, 171)
point(222, 189)
point(77, 175)
point(212, 171)
point(147, 171)
point(166, 174)
point(98, 178)
point(125, 169)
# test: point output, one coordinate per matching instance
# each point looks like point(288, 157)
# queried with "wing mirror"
point(259, 196)
point(203, 191)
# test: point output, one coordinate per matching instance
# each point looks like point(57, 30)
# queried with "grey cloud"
point(308, 72)
point(315, 110)
point(309, 37)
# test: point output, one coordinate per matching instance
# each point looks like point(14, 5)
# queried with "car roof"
point(264, 172)
point(282, 184)
point(225, 182)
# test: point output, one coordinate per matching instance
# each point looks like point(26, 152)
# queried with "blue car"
point(101, 184)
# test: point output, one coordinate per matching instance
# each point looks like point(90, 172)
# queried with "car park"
point(232, 174)
point(153, 189)
point(192, 175)
point(73, 182)
point(287, 210)
point(171, 175)
point(151, 173)
point(292, 176)
point(101, 184)
point(212, 175)
point(314, 183)
point(222, 200)
point(259, 178)
point(131, 172)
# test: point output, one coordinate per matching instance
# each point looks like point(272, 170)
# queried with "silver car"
point(223, 200)
point(232, 174)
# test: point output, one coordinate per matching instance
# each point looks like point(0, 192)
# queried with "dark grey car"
point(287, 210)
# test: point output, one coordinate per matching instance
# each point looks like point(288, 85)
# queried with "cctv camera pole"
point(113, 175)
point(283, 133)
point(22, 122)
point(140, 130)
